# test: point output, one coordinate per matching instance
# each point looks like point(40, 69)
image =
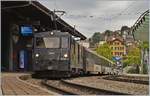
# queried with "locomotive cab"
point(51, 53)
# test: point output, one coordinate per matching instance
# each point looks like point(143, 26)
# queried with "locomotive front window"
point(64, 43)
point(46, 42)
point(40, 42)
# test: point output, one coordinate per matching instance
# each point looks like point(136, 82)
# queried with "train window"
point(47, 42)
point(52, 42)
point(64, 43)
point(40, 43)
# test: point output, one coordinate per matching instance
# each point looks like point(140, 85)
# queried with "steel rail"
point(86, 90)
point(55, 88)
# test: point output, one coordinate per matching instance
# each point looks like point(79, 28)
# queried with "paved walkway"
point(12, 85)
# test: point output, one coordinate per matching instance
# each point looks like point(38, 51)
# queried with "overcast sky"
point(91, 16)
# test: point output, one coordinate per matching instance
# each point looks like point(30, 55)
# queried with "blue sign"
point(116, 58)
point(26, 30)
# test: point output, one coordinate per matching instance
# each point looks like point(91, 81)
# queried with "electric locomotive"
point(56, 54)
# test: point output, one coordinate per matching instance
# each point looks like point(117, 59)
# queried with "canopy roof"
point(141, 27)
point(35, 11)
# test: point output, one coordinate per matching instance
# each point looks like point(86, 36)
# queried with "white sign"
point(21, 59)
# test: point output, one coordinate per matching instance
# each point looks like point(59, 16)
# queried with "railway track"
point(67, 88)
point(56, 88)
point(137, 80)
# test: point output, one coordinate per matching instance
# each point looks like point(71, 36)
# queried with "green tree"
point(104, 50)
point(96, 37)
point(123, 28)
point(108, 33)
point(144, 46)
point(133, 59)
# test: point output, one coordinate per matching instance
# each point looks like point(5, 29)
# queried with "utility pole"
point(74, 27)
point(142, 57)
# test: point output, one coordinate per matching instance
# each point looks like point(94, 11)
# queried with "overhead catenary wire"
point(126, 11)
point(56, 18)
point(123, 12)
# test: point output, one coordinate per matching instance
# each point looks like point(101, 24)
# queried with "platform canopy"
point(33, 10)
point(141, 27)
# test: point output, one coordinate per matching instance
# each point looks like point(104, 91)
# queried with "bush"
point(145, 69)
point(132, 69)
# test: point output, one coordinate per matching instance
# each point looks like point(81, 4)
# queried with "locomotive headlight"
point(65, 55)
point(36, 55)
point(51, 33)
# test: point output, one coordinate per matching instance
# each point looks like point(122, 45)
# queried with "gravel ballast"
point(125, 87)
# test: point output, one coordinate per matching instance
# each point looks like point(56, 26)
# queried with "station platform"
point(12, 85)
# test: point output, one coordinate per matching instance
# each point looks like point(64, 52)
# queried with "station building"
point(140, 31)
point(17, 18)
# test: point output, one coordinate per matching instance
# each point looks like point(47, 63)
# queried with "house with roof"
point(117, 45)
